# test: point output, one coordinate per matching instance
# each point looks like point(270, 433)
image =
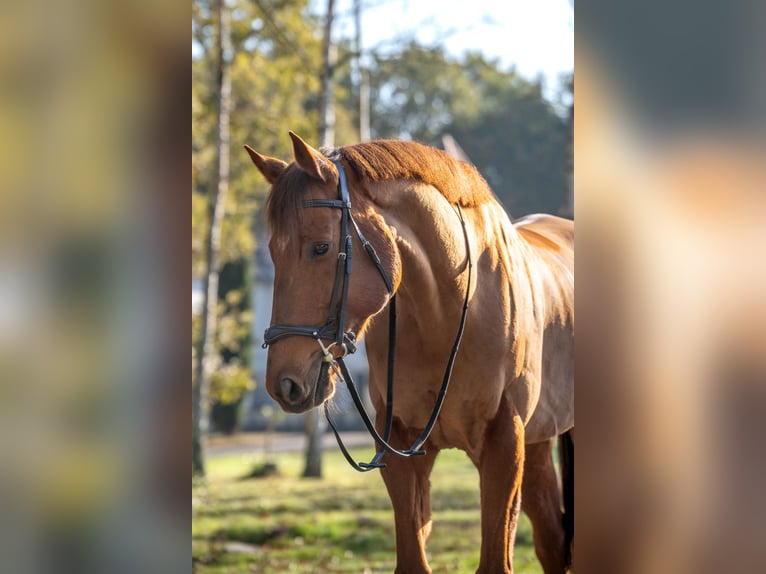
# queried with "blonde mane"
point(377, 161)
point(384, 160)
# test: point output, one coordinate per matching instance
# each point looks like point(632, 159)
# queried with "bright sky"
point(536, 36)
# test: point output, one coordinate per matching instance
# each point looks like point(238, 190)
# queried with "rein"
point(346, 340)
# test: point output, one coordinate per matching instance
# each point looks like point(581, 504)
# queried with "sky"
point(535, 36)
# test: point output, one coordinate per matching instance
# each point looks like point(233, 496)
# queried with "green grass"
point(342, 523)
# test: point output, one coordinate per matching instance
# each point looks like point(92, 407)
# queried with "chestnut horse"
point(428, 230)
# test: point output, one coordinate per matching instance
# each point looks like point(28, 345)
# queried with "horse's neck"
point(432, 247)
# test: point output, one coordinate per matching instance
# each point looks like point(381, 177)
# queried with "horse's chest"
point(462, 421)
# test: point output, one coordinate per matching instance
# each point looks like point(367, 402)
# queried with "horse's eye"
point(321, 248)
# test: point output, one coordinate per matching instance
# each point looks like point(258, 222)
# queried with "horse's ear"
point(310, 160)
point(270, 167)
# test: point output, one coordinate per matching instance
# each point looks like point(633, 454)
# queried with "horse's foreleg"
point(410, 492)
point(500, 470)
point(541, 501)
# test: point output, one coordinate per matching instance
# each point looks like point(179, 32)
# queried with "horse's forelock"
point(284, 203)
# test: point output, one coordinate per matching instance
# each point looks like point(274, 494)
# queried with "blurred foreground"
point(670, 183)
point(94, 328)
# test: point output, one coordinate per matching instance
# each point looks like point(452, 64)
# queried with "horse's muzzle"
point(294, 397)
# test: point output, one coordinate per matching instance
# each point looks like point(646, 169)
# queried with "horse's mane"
point(377, 161)
point(383, 160)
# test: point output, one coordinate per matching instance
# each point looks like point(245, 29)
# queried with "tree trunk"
point(315, 424)
point(326, 100)
point(315, 427)
point(206, 343)
point(364, 105)
point(363, 77)
point(570, 157)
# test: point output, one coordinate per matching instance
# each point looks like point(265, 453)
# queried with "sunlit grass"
point(342, 523)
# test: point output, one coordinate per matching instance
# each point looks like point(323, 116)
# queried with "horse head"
point(320, 307)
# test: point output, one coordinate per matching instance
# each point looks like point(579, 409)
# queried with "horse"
point(490, 299)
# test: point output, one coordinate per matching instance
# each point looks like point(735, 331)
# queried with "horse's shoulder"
point(546, 231)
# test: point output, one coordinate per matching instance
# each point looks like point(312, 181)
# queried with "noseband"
point(333, 330)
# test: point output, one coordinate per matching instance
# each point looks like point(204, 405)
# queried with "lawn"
point(342, 523)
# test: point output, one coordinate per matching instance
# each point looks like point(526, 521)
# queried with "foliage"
point(339, 524)
point(515, 137)
point(232, 378)
point(274, 83)
point(416, 93)
point(518, 144)
point(229, 383)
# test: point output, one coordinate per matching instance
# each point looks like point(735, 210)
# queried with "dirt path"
point(253, 442)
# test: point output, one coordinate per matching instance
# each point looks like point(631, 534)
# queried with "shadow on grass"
point(340, 524)
point(262, 470)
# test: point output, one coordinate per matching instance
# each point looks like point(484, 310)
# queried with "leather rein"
point(333, 330)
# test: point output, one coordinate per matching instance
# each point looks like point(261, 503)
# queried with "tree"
point(568, 208)
point(414, 93)
point(314, 421)
point(363, 77)
point(273, 69)
point(212, 243)
point(518, 142)
point(515, 137)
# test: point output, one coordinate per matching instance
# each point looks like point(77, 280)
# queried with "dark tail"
point(566, 460)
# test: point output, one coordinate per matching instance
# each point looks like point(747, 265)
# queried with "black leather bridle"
point(333, 330)
point(333, 327)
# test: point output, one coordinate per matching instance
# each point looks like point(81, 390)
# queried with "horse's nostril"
point(291, 392)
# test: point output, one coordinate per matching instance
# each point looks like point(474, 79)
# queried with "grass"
point(342, 523)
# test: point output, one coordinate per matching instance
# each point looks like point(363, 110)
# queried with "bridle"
point(333, 330)
point(333, 327)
